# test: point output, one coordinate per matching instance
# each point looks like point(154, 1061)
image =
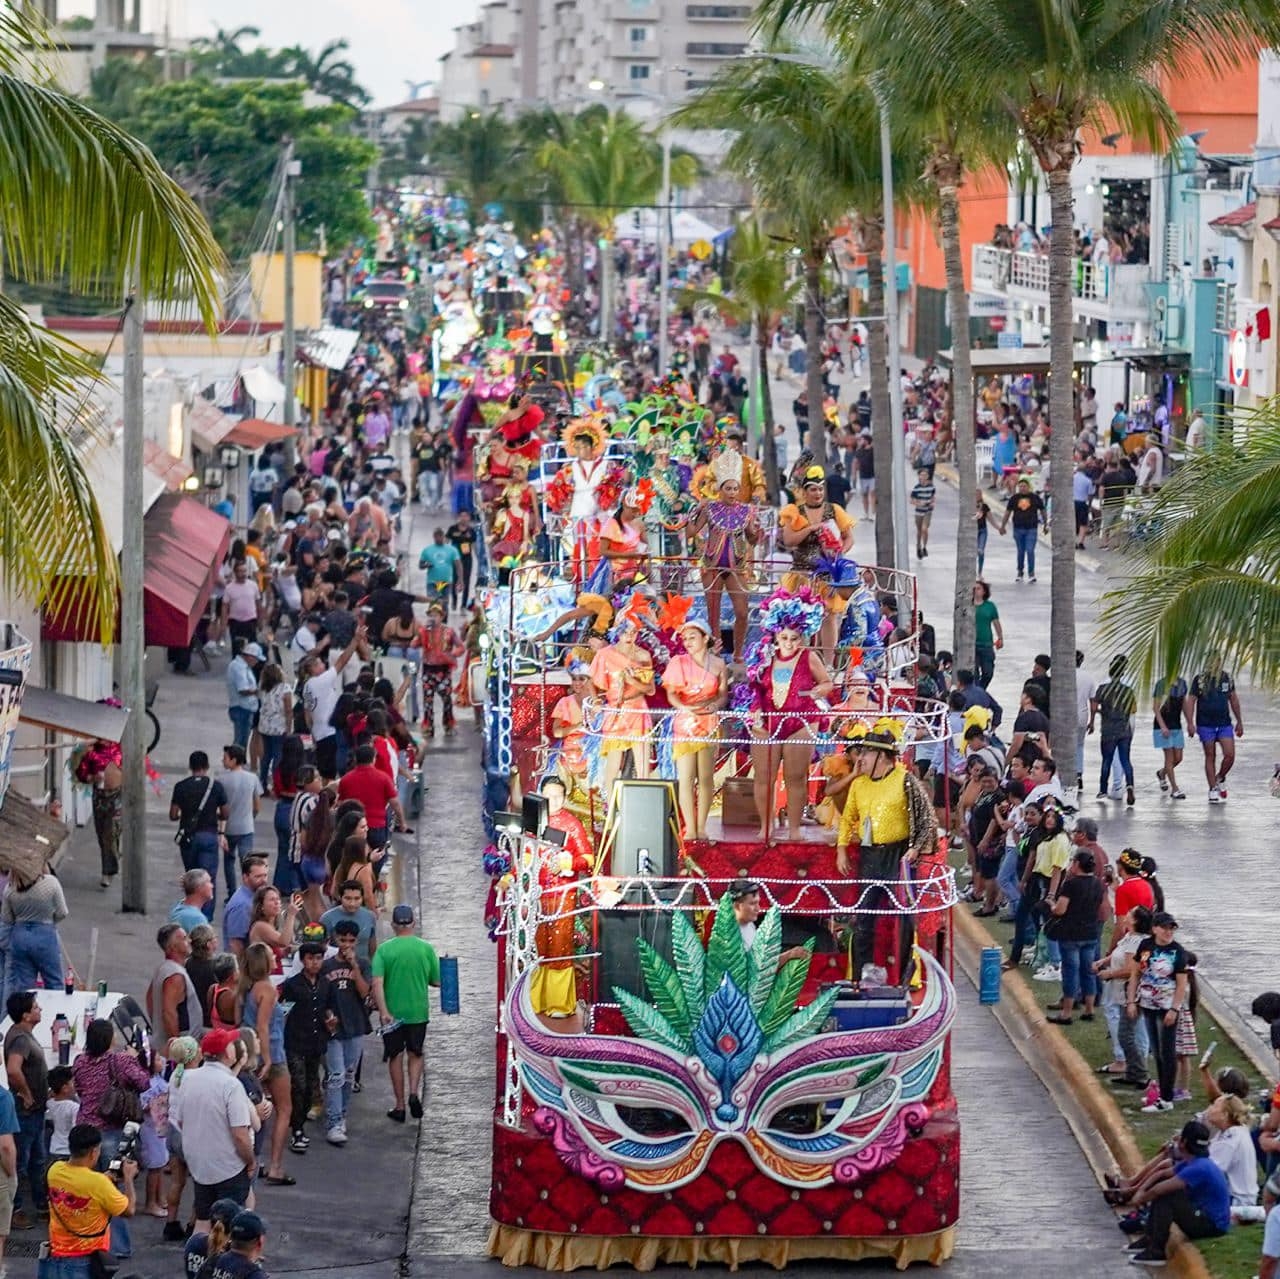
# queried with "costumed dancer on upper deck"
point(787, 681)
point(696, 684)
point(622, 671)
point(582, 490)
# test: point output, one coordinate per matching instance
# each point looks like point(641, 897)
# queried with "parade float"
point(677, 1082)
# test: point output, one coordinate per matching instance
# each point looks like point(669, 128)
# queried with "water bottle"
point(59, 1034)
point(989, 975)
point(69, 983)
point(450, 1001)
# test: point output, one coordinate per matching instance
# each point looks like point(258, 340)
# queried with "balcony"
point(718, 12)
point(634, 50)
point(1100, 291)
point(714, 49)
point(633, 11)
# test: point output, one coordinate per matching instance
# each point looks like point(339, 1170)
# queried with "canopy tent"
point(642, 224)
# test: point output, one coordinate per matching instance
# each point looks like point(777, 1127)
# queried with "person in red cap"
point(214, 1116)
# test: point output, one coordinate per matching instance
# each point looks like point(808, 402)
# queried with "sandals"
point(1060, 1021)
point(283, 1180)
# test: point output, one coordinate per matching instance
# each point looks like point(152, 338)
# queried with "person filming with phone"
point(82, 1202)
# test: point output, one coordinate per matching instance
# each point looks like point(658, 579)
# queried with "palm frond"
point(80, 198)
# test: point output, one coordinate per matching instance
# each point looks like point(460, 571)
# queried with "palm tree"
point(326, 72)
point(609, 165)
point(84, 204)
point(472, 153)
point(1055, 68)
point(807, 137)
point(1207, 576)
point(760, 291)
point(222, 48)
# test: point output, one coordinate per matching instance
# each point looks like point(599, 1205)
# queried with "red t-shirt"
point(373, 788)
point(1134, 892)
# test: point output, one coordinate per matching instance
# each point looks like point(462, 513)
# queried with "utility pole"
point(292, 169)
point(898, 456)
point(133, 644)
point(664, 257)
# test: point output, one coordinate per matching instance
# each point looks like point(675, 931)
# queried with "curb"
point(1238, 1030)
point(1089, 1109)
point(947, 471)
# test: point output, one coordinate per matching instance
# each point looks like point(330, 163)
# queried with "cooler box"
point(865, 1009)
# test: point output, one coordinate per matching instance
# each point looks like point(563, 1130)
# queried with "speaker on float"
point(643, 828)
point(619, 963)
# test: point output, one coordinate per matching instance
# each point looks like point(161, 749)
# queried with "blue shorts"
point(1170, 741)
point(1214, 733)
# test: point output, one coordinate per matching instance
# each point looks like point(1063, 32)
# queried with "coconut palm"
point(328, 73)
point(1207, 571)
point(473, 152)
point(760, 291)
point(807, 137)
point(1056, 67)
point(84, 204)
point(608, 165)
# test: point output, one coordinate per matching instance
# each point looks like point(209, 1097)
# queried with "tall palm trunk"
point(1062, 623)
point(817, 443)
point(605, 251)
point(947, 170)
point(882, 427)
point(768, 446)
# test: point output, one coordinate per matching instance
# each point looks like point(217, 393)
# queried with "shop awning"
point(162, 464)
point(1015, 361)
point(329, 348)
point(75, 716)
point(209, 425)
point(183, 545)
point(104, 465)
point(263, 386)
point(252, 433)
point(29, 839)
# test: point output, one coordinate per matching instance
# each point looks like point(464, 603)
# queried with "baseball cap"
point(215, 1042)
point(247, 1228)
point(1195, 1137)
point(253, 650)
point(402, 915)
point(741, 888)
point(1162, 919)
point(225, 1211)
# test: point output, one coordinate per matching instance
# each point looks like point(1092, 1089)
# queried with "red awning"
point(254, 432)
point(183, 544)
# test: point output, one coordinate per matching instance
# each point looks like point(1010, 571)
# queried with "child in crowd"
point(154, 1140)
point(1186, 1049)
point(61, 1111)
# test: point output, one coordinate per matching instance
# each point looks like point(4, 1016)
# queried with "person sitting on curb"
point(1195, 1197)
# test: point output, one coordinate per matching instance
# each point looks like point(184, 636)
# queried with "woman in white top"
point(1231, 1148)
point(275, 719)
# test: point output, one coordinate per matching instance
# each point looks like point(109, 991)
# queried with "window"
point(714, 49)
point(731, 12)
point(639, 35)
point(638, 72)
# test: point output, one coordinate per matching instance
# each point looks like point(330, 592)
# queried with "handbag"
point(183, 836)
point(121, 1103)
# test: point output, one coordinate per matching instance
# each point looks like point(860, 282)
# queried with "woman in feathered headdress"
point(622, 540)
point(696, 683)
point(787, 681)
point(728, 529)
point(622, 671)
point(582, 490)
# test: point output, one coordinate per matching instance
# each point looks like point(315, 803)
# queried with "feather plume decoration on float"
point(639, 496)
point(801, 611)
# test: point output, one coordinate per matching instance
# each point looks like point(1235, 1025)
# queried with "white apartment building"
point(639, 49)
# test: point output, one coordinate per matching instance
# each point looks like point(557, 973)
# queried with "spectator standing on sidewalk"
point(1073, 924)
point(242, 692)
point(347, 977)
point(32, 910)
point(173, 1004)
point(1027, 511)
point(242, 605)
point(9, 1128)
point(1211, 706)
point(305, 1038)
point(1158, 993)
point(320, 696)
point(215, 1117)
point(83, 1203)
point(28, 1081)
point(198, 805)
point(988, 633)
point(1168, 702)
point(243, 791)
point(237, 919)
point(1116, 702)
point(403, 969)
point(924, 497)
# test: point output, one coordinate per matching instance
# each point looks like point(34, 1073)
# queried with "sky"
point(392, 41)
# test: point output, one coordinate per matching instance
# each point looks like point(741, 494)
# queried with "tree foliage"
point(221, 143)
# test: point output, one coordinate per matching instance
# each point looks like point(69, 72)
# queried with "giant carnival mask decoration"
point(723, 1054)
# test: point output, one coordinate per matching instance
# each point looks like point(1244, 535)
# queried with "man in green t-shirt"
point(403, 968)
point(988, 635)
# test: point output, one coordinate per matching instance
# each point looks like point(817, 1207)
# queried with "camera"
point(127, 1149)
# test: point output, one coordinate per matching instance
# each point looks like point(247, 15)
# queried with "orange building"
point(1223, 108)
